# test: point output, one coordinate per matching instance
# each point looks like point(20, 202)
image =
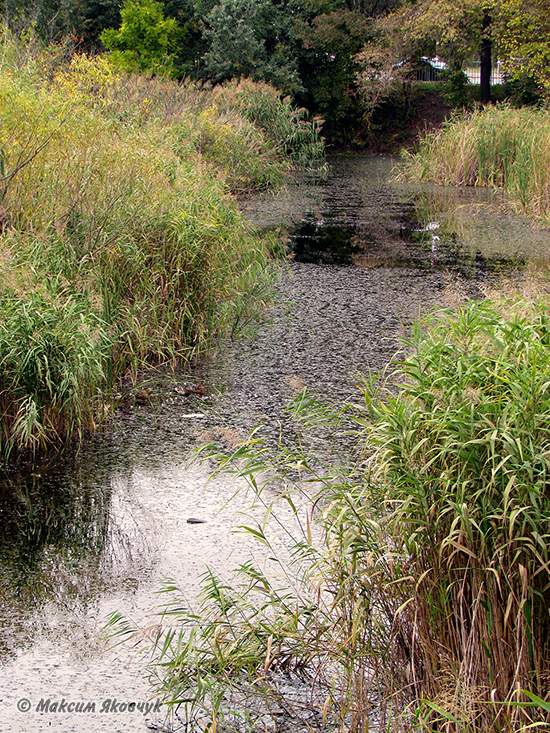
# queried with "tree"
point(303, 47)
point(249, 38)
point(328, 44)
point(146, 40)
point(455, 29)
point(81, 20)
point(525, 41)
point(189, 16)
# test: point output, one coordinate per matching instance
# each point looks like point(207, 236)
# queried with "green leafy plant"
point(287, 128)
point(146, 41)
point(455, 87)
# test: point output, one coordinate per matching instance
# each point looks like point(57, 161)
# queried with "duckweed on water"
point(418, 594)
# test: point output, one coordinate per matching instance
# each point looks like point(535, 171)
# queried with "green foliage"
point(252, 135)
point(301, 633)
point(525, 42)
point(336, 101)
point(464, 449)
point(455, 26)
point(519, 32)
point(454, 30)
point(523, 91)
point(330, 36)
point(286, 127)
point(231, 144)
point(77, 25)
point(501, 147)
point(189, 15)
point(145, 41)
point(52, 357)
point(414, 590)
point(246, 38)
point(326, 53)
point(455, 87)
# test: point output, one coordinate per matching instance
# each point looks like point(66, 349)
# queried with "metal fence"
point(431, 69)
point(473, 72)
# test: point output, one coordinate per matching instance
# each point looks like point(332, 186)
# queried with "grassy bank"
point(418, 594)
point(120, 242)
point(497, 146)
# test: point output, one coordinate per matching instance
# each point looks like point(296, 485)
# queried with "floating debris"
point(186, 391)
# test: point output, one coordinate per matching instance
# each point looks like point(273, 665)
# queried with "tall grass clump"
point(463, 452)
point(117, 224)
point(235, 146)
point(286, 127)
point(497, 146)
point(249, 135)
point(52, 368)
point(415, 587)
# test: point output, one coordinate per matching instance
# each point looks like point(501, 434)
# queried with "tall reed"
point(464, 452)
point(414, 594)
point(245, 129)
point(497, 146)
point(116, 222)
point(287, 128)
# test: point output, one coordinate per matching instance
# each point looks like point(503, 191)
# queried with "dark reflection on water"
point(93, 532)
point(323, 243)
point(360, 215)
point(59, 543)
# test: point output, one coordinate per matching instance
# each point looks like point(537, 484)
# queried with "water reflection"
point(62, 543)
point(360, 215)
point(324, 243)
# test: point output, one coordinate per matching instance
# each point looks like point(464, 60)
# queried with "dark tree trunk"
point(485, 58)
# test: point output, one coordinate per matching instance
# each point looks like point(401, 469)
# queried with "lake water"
point(88, 534)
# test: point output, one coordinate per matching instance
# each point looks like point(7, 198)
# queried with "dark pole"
point(485, 58)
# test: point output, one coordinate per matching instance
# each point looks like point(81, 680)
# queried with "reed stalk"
point(498, 146)
point(120, 242)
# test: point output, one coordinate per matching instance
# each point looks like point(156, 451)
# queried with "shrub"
point(234, 146)
point(52, 357)
point(287, 128)
point(146, 40)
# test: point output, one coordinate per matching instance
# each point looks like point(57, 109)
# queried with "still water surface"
point(83, 536)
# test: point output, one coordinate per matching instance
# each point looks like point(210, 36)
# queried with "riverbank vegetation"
point(415, 595)
point(120, 242)
point(337, 60)
point(498, 146)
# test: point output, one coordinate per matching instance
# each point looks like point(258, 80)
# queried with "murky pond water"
point(85, 535)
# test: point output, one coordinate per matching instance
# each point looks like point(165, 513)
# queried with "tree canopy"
point(337, 58)
point(250, 38)
point(456, 30)
point(525, 40)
